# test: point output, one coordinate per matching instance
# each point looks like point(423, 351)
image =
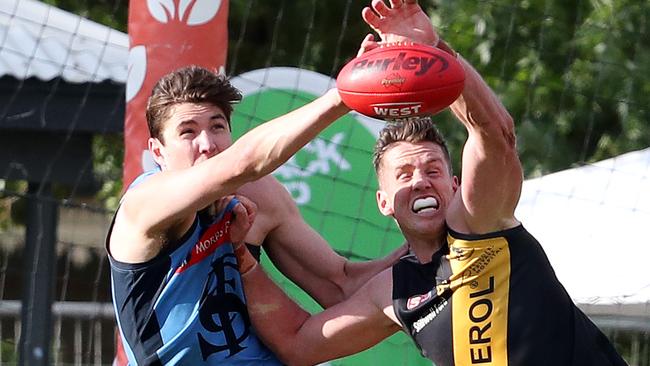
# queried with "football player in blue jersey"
point(476, 287)
point(176, 289)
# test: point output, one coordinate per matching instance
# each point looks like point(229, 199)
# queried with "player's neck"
point(424, 247)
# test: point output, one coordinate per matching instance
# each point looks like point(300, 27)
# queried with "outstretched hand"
point(403, 21)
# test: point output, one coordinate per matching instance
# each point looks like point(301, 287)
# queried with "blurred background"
point(574, 75)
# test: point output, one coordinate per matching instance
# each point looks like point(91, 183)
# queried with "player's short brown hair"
point(190, 84)
point(414, 130)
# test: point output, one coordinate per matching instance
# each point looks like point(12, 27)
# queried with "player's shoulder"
point(269, 195)
point(142, 184)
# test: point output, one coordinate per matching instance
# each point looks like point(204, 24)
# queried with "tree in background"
point(575, 75)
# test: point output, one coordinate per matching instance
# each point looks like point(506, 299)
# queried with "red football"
point(401, 81)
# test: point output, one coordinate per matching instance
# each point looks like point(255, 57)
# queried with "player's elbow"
point(285, 336)
point(352, 278)
point(508, 130)
point(508, 133)
point(342, 282)
point(504, 138)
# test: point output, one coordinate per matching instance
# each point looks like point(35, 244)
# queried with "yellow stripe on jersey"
point(480, 303)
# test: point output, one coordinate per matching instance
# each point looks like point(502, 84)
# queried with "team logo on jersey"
point(415, 301)
point(460, 253)
point(222, 311)
point(443, 287)
point(480, 263)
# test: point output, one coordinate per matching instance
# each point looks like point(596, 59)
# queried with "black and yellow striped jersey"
point(494, 300)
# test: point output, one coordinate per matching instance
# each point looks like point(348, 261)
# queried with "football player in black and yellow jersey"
point(476, 287)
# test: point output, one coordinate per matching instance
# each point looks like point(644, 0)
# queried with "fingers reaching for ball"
point(367, 44)
point(402, 21)
point(380, 7)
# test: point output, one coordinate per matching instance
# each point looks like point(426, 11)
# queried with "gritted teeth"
point(425, 203)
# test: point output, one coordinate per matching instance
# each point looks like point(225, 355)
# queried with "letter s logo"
point(191, 12)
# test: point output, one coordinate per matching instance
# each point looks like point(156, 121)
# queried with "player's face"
point(416, 187)
point(193, 134)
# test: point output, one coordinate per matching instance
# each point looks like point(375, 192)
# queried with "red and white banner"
point(165, 35)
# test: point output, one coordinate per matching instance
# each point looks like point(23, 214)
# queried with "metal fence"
point(83, 327)
point(83, 333)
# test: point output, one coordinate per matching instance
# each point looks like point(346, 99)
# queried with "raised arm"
point(302, 255)
point(299, 338)
point(170, 197)
point(491, 171)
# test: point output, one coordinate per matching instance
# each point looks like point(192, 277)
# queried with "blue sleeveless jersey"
point(186, 306)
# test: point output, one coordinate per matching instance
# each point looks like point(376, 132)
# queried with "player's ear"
point(155, 147)
point(455, 183)
point(384, 204)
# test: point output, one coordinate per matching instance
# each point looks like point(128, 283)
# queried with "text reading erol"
point(422, 64)
point(479, 314)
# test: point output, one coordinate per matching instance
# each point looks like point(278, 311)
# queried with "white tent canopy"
point(592, 223)
point(39, 40)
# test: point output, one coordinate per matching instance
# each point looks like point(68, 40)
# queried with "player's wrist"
point(337, 101)
point(245, 260)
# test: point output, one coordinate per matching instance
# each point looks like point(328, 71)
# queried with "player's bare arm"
point(160, 209)
point(300, 253)
point(300, 339)
point(491, 170)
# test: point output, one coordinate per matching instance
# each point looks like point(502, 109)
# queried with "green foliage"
point(108, 155)
point(314, 35)
point(9, 354)
point(574, 75)
point(112, 13)
point(11, 209)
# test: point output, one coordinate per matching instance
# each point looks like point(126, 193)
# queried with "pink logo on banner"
point(165, 35)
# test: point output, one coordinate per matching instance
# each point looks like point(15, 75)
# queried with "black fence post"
point(38, 278)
